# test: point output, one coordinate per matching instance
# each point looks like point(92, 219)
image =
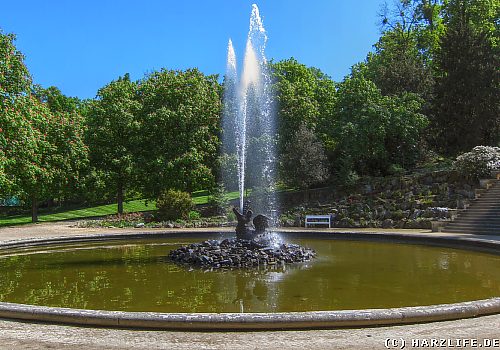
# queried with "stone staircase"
point(482, 216)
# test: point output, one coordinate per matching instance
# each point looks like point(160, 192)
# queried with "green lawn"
point(199, 198)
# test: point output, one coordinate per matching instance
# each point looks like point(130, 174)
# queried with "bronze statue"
point(243, 231)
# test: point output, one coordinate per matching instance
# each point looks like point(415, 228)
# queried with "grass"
point(62, 214)
point(199, 198)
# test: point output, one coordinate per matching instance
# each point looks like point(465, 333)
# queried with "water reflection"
point(346, 275)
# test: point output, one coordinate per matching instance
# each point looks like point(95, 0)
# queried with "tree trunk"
point(119, 198)
point(34, 208)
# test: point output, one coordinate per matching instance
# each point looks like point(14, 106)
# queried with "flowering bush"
point(478, 163)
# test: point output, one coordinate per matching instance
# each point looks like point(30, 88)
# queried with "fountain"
point(248, 114)
point(249, 128)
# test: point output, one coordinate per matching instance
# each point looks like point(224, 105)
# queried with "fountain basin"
point(260, 320)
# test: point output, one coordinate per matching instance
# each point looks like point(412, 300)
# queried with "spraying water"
point(248, 118)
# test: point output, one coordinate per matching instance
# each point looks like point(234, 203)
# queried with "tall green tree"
point(15, 78)
point(41, 151)
point(403, 57)
point(66, 132)
point(113, 135)
point(466, 108)
point(374, 132)
point(305, 159)
point(304, 95)
point(26, 150)
point(305, 98)
point(180, 121)
point(56, 100)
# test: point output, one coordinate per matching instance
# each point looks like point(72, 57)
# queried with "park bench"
point(318, 220)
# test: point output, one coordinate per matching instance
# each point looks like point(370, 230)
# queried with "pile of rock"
point(238, 253)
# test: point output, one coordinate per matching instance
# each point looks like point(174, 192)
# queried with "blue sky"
point(79, 46)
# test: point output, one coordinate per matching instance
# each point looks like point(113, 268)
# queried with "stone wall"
point(390, 202)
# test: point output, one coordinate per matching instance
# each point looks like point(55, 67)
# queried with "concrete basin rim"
point(249, 321)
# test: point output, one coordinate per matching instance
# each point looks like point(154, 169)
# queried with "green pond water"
point(134, 275)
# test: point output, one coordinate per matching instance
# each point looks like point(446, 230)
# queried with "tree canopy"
point(179, 120)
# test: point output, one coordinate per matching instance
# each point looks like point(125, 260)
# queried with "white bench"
point(318, 220)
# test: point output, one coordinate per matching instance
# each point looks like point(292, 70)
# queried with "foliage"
point(227, 165)
point(194, 215)
point(217, 199)
point(305, 96)
point(44, 152)
point(466, 105)
point(398, 66)
point(478, 163)
point(304, 161)
point(375, 131)
point(56, 100)
point(174, 204)
point(65, 130)
point(403, 57)
point(179, 119)
point(15, 78)
point(113, 135)
point(25, 146)
point(41, 150)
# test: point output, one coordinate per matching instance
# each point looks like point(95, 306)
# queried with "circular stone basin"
point(134, 276)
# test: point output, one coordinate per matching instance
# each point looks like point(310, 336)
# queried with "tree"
point(180, 121)
point(397, 66)
point(56, 100)
point(113, 136)
point(66, 132)
point(27, 151)
point(15, 78)
point(374, 132)
point(305, 159)
point(304, 95)
point(466, 108)
point(403, 57)
point(40, 151)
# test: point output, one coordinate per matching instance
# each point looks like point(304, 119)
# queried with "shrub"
point(173, 205)
point(396, 170)
point(194, 215)
point(231, 216)
point(217, 199)
point(478, 163)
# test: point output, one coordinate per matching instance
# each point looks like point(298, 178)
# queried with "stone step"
point(469, 228)
point(478, 210)
point(482, 213)
point(476, 222)
point(484, 205)
point(472, 231)
point(478, 216)
point(492, 193)
point(474, 225)
point(487, 196)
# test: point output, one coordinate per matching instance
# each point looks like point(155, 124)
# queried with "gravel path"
point(22, 335)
